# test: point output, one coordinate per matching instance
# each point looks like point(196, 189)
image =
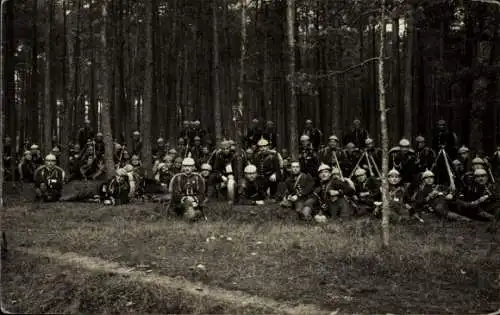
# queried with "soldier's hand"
point(272, 177)
point(333, 193)
point(224, 178)
point(449, 197)
point(364, 194)
point(483, 198)
point(294, 198)
point(259, 202)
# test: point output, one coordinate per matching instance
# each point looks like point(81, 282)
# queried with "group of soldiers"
point(325, 181)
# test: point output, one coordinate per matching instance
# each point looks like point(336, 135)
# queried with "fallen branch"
point(359, 65)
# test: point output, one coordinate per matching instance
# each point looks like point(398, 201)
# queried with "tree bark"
point(148, 91)
point(384, 131)
point(292, 104)
point(408, 90)
point(216, 75)
point(105, 94)
point(238, 112)
point(33, 101)
point(396, 79)
point(47, 112)
point(67, 85)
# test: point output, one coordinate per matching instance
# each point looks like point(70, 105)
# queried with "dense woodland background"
point(148, 65)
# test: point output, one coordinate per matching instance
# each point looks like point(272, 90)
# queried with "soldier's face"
point(481, 179)
point(429, 180)
point(197, 142)
point(120, 179)
point(28, 156)
point(50, 164)
point(168, 164)
point(135, 137)
point(350, 149)
point(370, 145)
point(251, 176)
point(394, 179)
point(180, 142)
point(226, 150)
point(335, 175)
point(420, 145)
point(324, 175)
point(405, 149)
point(295, 168)
point(134, 161)
point(304, 142)
point(188, 169)
point(178, 164)
point(464, 155)
point(264, 148)
point(160, 143)
point(204, 150)
point(98, 138)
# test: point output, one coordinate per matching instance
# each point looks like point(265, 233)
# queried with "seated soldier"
point(188, 191)
point(27, 168)
point(298, 189)
point(163, 176)
point(479, 200)
point(468, 177)
point(268, 168)
point(211, 181)
point(117, 190)
point(93, 168)
point(399, 200)
point(250, 192)
point(36, 155)
point(49, 179)
point(435, 198)
point(367, 192)
point(307, 156)
point(332, 192)
point(226, 168)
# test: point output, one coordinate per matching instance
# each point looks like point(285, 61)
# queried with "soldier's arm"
point(308, 185)
point(20, 169)
point(38, 175)
point(201, 187)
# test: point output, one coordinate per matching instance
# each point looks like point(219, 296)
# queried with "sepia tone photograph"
point(250, 157)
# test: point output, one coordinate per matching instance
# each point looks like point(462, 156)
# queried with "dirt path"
point(236, 298)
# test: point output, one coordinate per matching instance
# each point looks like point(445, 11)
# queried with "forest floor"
point(84, 257)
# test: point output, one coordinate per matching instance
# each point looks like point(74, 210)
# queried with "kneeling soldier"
point(481, 198)
point(188, 191)
point(331, 193)
point(249, 190)
point(399, 200)
point(49, 179)
point(117, 190)
point(434, 198)
point(367, 192)
point(299, 187)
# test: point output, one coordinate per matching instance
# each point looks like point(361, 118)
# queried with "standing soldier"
point(136, 143)
point(254, 133)
point(331, 154)
point(444, 138)
point(185, 131)
point(307, 156)
point(298, 189)
point(357, 135)
point(270, 134)
point(160, 150)
point(36, 155)
point(268, 168)
point(49, 179)
point(250, 192)
point(85, 133)
point(424, 155)
point(350, 158)
point(181, 147)
point(464, 157)
point(404, 162)
point(197, 131)
point(99, 145)
point(313, 133)
point(373, 151)
point(188, 191)
point(27, 168)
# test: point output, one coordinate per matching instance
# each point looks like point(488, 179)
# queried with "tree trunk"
point(408, 90)
point(238, 113)
point(148, 91)
point(396, 79)
point(33, 101)
point(292, 104)
point(67, 85)
point(105, 94)
point(216, 76)
point(384, 131)
point(47, 112)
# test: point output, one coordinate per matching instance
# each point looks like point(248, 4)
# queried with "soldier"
point(36, 155)
point(350, 158)
point(367, 192)
point(399, 199)
point(49, 179)
point(182, 147)
point(121, 155)
point(313, 133)
point(373, 151)
point(56, 151)
point(185, 131)
point(357, 135)
point(160, 150)
point(211, 181)
point(307, 157)
point(480, 200)
point(254, 133)
point(434, 198)
point(444, 138)
point(268, 168)
point(99, 146)
point(227, 169)
point(331, 153)
point(177, 167)
point(197, 131)
point(250, 192)
point(464, 157)
point(270, 134)
point(27, 168)
point(136, 143)
point(403, 161)
point(204, 156)
point(332, 192)
point(163, 176)
point(298, 189)
point(85, 133)
point(195, 148)
point(424, 155)
point(188, 191)
point(117, 190)
point(75, 162)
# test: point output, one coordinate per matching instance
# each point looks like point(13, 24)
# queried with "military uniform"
point(472, 200)
point(188, 191)
point(116, 191)
point(308, 159)
point(367, 192)
point(300, 186)
point(49, 181)
point(268, 165)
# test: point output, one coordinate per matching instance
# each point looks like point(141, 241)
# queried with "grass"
point(430, 268)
